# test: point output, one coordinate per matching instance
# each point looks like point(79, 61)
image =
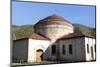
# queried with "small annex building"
point(54, 39)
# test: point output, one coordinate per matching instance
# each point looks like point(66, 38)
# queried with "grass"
point(33, 63)
point(44, 63)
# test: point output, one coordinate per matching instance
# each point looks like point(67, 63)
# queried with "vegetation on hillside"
point(83, 28)
point(26, 30)
point(21, 31)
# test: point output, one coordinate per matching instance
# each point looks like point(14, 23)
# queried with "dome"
point(51, 20)
point(53, 27)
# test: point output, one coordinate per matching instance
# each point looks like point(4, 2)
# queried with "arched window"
point(63, 49)
point(70, 49)
point(39, 50)
point(87, 48)
point(53, 49)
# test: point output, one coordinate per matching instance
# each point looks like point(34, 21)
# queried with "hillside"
point(26, 30)
point(83, 28)
point(21, 31)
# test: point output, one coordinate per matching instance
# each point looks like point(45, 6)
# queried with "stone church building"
point(54, 39)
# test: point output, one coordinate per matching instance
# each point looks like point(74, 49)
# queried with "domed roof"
point(54, 17)
point(51, 20)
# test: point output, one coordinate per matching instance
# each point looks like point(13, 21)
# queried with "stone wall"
point(54, 31)
point(78, 49)
point(20, 50)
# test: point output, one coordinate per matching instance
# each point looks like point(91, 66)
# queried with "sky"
point(24, 13)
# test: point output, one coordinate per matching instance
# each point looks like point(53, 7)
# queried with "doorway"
point(39, 55)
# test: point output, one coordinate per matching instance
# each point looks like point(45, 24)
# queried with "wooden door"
point(39, 55)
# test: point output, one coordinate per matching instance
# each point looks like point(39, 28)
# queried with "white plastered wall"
point(78, 49)
point(91, 43)
point(37, 44)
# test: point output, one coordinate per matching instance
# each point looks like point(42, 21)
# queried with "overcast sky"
point(30, 13)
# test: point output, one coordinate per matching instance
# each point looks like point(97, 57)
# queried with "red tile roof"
point(38, 36)
point(55, 17)
point(69, 36)
point(33, 36)
point(50, 20)
point(76, 34)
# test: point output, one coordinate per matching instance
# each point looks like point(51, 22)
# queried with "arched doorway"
point(39, 55)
